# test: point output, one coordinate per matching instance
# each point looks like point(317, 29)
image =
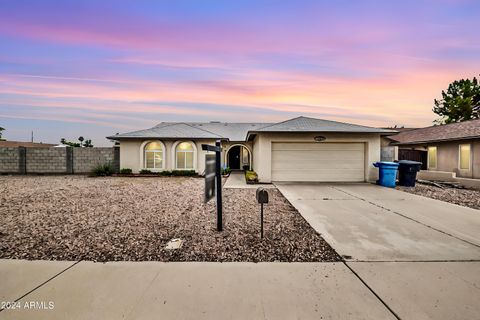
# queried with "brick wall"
point(9, 160)
point(56, 160)
point(85, 159)
point(46, 160)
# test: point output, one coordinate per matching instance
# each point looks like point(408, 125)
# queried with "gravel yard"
point(111, 219)
point(463, 197)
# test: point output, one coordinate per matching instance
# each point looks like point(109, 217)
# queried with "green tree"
point(461, 102)
point(1, 130)
point(81, 140)
point(88, 143)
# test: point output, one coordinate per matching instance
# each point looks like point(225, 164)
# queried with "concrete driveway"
point(365, 222)
point(419, 256)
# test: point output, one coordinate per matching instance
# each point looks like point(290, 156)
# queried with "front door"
point(234, 157)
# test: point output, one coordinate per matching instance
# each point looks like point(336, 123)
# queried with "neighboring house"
point(16, 144)
point(299, 149)
point(451, 147)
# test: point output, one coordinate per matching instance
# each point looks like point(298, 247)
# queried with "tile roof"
point(239, 131)
point(452, 131)
point(169, 130)
point(305, 124)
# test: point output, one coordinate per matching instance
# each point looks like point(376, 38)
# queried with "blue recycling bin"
point(387, 173)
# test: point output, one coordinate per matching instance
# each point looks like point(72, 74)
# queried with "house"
point(299, 149)
point(450, 148)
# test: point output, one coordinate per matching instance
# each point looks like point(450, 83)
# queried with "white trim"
point(469, 156)
point(428, 157)
point(241, 145)
point(142, 155)
point(174, 155)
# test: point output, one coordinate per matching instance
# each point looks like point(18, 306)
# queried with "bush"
point(145, 171)
point(184, 173)
point(103, 170)
point(226, 171)
point(126, 171)
point(251, 177)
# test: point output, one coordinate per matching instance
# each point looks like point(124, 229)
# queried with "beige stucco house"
point(299, 149)
point(443, 149)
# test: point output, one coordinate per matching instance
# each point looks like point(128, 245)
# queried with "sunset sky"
point(94, 68)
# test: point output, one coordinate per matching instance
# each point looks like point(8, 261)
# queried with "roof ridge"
point(185, 123)
point(276, 123)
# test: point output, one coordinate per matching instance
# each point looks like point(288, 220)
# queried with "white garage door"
point(327, 162)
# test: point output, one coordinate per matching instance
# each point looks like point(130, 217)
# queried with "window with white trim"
point(464, 156)
point(153, 155)
point(432, 157)
point(184, 156)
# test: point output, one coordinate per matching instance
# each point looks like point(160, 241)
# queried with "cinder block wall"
point(85, 159)
point(9, 160)
point(46, 160)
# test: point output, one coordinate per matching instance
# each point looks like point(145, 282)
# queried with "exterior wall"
point(9, 160)
point(256, 153)
point(86, 159)
point(132, 154)
point(448, 157)
point(263, 150)
point(46, 160)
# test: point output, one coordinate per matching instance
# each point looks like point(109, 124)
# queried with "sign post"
point(209, 178)
point(262, 197)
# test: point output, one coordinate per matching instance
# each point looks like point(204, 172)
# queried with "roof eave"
point(150, 137)
point(436, 140)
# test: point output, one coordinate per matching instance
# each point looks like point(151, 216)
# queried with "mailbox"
point(262, 195)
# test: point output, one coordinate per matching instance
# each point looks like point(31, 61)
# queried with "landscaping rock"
point(119, 218)
point(462, 197)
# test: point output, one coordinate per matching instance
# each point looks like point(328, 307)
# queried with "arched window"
point(184, 156)
point(153, 155)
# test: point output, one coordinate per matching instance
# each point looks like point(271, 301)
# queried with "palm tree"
point(81, 140)
point(1, 129)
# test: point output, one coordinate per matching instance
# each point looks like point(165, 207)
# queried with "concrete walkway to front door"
point(236, 180)
point(420, 256)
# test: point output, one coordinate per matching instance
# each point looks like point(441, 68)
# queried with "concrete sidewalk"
point(148, 290)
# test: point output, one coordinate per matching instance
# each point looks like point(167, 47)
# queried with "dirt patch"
point(112, 219)
point(462, 197)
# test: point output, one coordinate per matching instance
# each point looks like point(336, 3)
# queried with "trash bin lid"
point(386, 164)
point(409, 162)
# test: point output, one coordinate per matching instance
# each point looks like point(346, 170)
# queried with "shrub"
point(145, 171)
point(226, 171)
point(251, 177)
point(103, 170)
point(183, 173)
point(165, 173)
point(126, 171)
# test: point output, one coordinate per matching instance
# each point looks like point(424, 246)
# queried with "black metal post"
point(218, 173)
point(261, 217)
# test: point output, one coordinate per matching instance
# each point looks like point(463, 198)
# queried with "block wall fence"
point(67, 160)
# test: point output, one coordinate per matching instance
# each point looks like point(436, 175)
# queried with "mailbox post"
point(262, 197)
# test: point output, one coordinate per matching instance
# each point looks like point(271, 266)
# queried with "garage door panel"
point(317, 146)
point(318, 162)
